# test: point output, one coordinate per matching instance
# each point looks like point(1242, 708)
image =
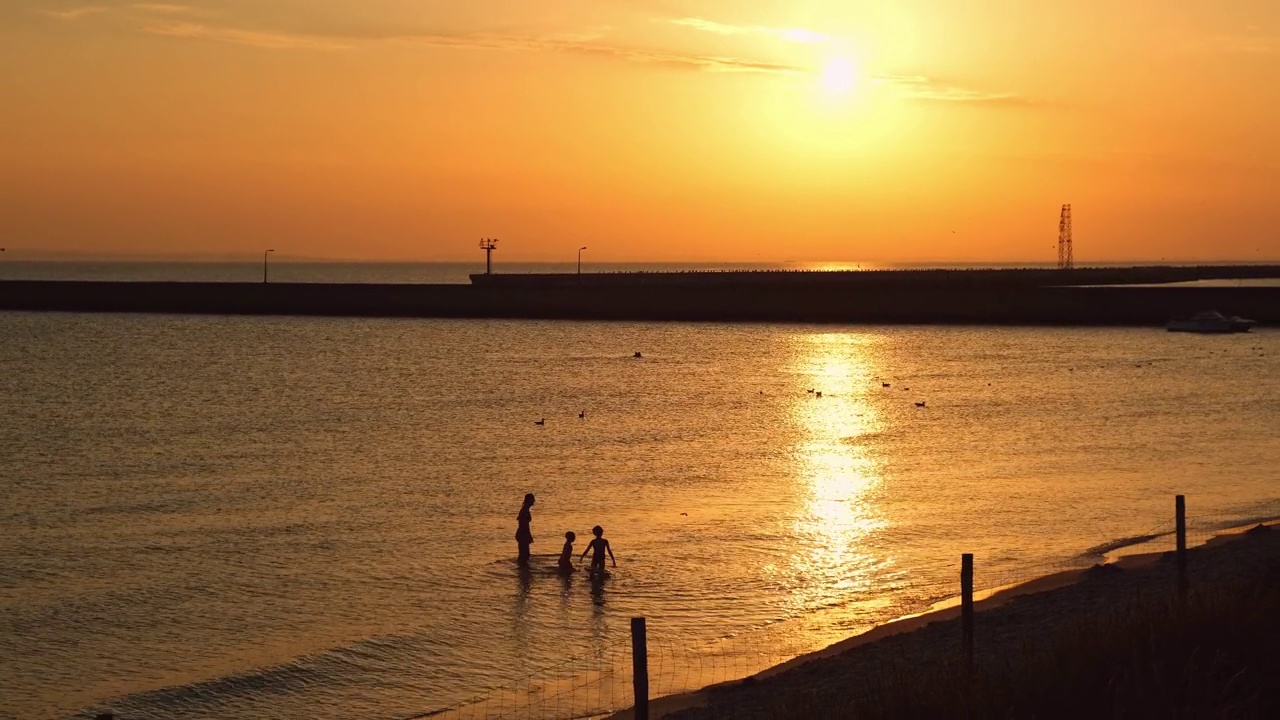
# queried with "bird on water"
point(543, 421)
point(582, 415)
point(920, 404)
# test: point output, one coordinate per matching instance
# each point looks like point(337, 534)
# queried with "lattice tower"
point(1066, 258)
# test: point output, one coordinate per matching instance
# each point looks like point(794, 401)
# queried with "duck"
point(582, 415)
point(884, 384)
point(817, 394)
point(638, 355)
point(543, 421)
point(920, 404)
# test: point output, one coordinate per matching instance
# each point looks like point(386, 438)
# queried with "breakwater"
point(928, 279)
point(908, 302)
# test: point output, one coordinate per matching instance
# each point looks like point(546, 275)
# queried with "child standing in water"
point(598, 548)
point(566, 555)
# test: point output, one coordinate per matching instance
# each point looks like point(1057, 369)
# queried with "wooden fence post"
point(1180, 517)
point(966, 608)
point(640, 668)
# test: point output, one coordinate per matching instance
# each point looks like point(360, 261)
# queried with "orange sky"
point(729, 130)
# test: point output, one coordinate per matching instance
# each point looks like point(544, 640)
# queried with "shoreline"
point(944, 611)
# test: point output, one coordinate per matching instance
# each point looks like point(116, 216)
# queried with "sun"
point(838, 75)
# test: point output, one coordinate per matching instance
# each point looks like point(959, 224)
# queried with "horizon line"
point(16, 255)
point(26, 255)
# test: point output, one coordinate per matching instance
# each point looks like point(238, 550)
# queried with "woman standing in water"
point(524, 536)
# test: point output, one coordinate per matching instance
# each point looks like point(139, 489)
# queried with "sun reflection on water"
point(836, 421)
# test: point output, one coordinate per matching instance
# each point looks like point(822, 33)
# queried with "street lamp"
point(264, 265)
point(584, 247)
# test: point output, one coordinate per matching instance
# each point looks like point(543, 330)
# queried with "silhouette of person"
point(598, 548)
point(524, 536)
point(566, 555)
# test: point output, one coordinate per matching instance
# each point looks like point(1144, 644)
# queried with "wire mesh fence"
point(591, 686)
point(600, 685)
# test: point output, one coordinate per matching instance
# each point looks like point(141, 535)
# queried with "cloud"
point(591, 42)
point(576, 45)
point(914, 87)
point(163, 8)
point(919, 87)
point(75, 13)
point(141, 8)
point(711, 26)
point(798, 35)
point(251, 38)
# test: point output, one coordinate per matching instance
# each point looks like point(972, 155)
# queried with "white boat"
point(1242, 324)
point(1210, 322)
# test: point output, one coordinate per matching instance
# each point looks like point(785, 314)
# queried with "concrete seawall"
point(1137, 306)
point(925, 279)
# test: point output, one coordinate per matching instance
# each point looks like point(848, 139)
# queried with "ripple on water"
point(283, 517)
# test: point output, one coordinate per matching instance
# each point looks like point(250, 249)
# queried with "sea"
point(303, 271)
point(292, 517)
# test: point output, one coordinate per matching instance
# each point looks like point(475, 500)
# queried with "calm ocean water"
point(280, 270)
point(242, 517)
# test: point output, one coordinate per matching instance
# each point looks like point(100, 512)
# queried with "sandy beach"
point(1032, 620)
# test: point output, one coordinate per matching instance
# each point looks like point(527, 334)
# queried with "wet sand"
point(1006, 621)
